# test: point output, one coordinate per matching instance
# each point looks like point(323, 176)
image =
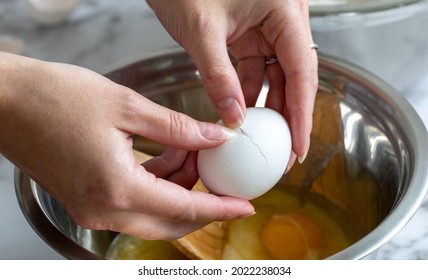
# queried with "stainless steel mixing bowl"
point(361, 125)
point(386, 37)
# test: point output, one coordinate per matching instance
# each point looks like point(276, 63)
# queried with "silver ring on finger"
point(271, 60)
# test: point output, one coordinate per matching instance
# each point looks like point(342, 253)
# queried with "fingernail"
point(288, 168)
point(228, 133)
point(219, 133)
point(228, 109)
point(247, 216)
point(290, 162)
point(301, 159)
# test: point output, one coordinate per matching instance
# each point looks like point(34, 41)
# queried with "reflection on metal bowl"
point(386, 37)
point(361, 125)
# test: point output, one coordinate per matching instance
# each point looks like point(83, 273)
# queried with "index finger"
point(219, 76)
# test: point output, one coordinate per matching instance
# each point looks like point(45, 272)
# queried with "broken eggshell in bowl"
point(252, 162)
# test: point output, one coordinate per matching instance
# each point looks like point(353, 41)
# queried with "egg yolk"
point(293, 237)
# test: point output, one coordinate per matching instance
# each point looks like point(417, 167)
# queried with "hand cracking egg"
point(251, 163)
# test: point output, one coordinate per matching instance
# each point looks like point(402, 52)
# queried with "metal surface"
point(390, 43)
point(331, 7)
point(375, 130)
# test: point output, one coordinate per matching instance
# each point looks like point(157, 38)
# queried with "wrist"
point(18, 75)
point(15, 74)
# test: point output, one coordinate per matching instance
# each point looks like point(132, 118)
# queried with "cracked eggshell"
point(252, 162)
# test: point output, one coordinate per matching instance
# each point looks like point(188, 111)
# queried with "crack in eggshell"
point(248, 136)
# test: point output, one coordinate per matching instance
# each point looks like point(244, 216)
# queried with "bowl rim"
point(354, 9)
point(392, 224)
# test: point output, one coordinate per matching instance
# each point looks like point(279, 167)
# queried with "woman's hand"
point(252, 31)
point(70, 129)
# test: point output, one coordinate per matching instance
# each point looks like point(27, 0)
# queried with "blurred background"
point(99, 33)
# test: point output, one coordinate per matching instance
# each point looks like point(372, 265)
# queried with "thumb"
point(219, 76)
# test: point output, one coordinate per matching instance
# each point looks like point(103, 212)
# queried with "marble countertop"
point(98, 34)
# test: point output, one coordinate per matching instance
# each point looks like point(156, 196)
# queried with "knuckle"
point(296, 109)
point(185, 214)
point(180, 126)
point(130, 103)
point(200, 22)
point(218, 75)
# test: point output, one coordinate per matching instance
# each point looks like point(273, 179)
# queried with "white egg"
point(252, 162)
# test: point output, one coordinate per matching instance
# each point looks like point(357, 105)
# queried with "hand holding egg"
point(251, 163)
